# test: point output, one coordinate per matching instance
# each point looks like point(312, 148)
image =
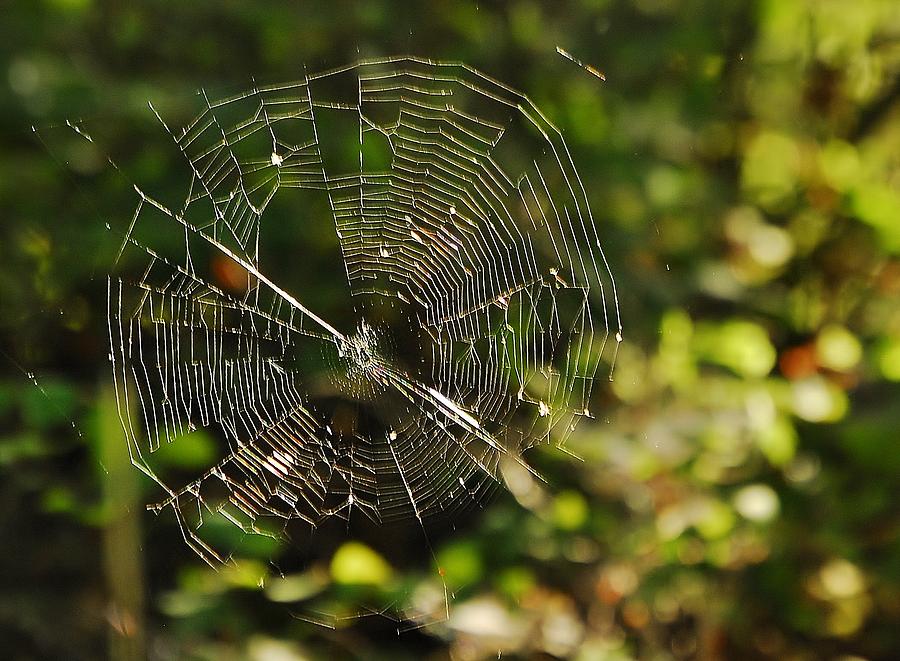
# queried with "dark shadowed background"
point(737, 497)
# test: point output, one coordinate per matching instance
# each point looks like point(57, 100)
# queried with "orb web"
point(481, 301)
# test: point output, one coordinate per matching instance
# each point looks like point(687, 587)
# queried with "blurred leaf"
point(742, 346)
point(716, 519)
point(778, 441)
point(570, 510)
point(838, 349)
point(296, 587)
point(357, 564)
point(461, 563)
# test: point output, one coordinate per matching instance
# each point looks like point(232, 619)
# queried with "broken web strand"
point(36, 382)
point(446, 230)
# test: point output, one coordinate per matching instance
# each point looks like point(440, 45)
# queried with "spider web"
point(481, 303)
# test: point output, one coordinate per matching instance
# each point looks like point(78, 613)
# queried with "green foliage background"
point(738, 494)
